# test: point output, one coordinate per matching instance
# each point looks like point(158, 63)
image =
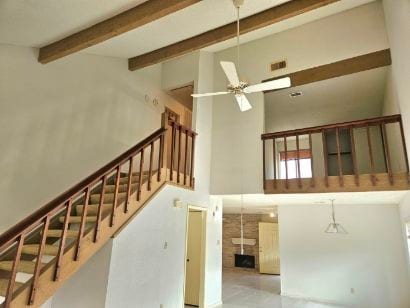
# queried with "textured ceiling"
point(35, 23)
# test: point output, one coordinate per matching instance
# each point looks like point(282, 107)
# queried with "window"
point(290, 160)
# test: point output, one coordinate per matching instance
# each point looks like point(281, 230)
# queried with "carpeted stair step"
point(32, 249)
point(23, 267)
point(77, 219)
point(109, 189)
point(92, 209)
point(59, 232)
point(4, 283)
point(108, 198)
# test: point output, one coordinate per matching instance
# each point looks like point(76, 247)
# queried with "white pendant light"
point(335, 227)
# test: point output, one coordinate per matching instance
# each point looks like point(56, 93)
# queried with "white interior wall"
point(66, 119)
point(73, 116)
point(159, 271)
point(397, 15)
point(88, 287)
point(370, 259)
point(358, 31)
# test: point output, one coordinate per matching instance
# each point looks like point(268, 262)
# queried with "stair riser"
point(108, 198)
point(92, 210)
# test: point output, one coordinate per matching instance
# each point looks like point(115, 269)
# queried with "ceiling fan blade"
point(231, 73)
point(269, 85)
point(243, 102)
point(209, 94)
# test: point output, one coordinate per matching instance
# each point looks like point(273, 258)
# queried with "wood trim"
point(366, 184)
point(318, 129)
point(223, 33)
point(349, 66)
point(133, 18)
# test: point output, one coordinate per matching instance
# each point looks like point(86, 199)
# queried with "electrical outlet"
point(352, 290)
point(165, 245)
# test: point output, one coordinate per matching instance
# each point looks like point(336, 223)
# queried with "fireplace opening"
point(246, 261)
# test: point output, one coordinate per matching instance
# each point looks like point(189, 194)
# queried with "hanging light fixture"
point(335, 227)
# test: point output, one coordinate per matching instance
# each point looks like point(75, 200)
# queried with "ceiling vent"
point(278, 65)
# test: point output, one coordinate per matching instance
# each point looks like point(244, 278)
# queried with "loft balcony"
point(364, 155)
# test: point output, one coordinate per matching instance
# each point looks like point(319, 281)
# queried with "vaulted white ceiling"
point(36, 23)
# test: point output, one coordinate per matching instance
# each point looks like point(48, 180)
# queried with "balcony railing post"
point(179, 153)
point(339, 158)
point(298, 162)
point(312, 180)
point(264, 165)
point(369, 144)
point(354, 159)
point(403, 141)
point(173, 137)
point(186, 155)
point(140, 182)
point(386, 153)
point(274, 163)
point(151, 161)
point(160, 157)
point(325, 157)
point(192, 184)
point(286, 162)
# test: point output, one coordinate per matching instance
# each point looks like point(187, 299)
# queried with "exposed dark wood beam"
point(248, 24)
point(138, 16)
point(341, 68)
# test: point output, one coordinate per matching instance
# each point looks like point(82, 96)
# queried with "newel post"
point(163, 154)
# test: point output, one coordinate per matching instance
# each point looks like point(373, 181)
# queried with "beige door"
point(269, 262)
point(193, 258)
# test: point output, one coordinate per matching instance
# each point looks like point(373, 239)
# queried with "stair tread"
point(4, 284)
point(32, 249)
point(58, 232)
point(93, 208)
point(24, 266)
point(77, 219)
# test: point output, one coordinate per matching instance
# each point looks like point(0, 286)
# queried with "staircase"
point(40, 253)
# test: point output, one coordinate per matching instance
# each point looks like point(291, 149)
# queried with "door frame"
point(203, 253)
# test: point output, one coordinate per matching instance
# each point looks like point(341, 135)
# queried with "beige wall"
point(64, 120)
point(231, 228)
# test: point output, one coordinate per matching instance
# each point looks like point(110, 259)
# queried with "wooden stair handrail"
point(29, 223)
point(317, 129)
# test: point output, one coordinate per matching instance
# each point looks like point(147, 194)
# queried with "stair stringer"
point(47, 287)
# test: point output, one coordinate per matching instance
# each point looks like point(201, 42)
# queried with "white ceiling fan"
point(240, 88)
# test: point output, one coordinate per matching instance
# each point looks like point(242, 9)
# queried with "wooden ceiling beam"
point(135, 17)
point(248, 24)
point(349, 66)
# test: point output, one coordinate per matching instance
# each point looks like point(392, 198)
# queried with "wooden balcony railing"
point(362, 155)
point(48, 230)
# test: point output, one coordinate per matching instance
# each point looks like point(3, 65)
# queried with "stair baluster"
point(62, 240)
point(100, 208)
point(38, 265)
